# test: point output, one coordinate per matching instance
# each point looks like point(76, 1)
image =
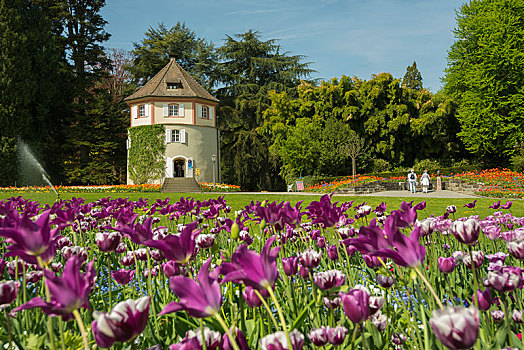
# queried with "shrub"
point(381, 165)
point(426, 164)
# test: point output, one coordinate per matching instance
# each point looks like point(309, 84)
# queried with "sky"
point(339, 37)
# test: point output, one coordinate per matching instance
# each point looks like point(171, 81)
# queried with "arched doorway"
point(179, 167)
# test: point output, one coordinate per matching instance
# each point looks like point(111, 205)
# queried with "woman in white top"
point(424, 179)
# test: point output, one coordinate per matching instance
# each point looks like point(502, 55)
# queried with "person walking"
point(412, 181)
point(424, 180)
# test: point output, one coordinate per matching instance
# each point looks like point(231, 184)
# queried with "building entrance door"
point(179, 168)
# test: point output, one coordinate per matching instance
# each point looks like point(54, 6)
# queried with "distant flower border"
point(85, 189)
point(218, 187)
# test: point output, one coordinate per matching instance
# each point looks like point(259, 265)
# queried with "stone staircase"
point(180, 185)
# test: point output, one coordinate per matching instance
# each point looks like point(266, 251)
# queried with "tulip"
point(385, 281)
point(380, 321)
point(332, 251)
point(8, 292)
point(331, 303)
point(495, 205)
point(446, 265)
point(451, 209)
point(371, 261)
point(310, 258)
point(290, 265)
point(79, 252)
point(505, 280)
point(492, 232)
point(239, 337)
point(516, 248)
point(484, 298)
point(327, 280)
point(123, 323)
point(470, 205)
point(257, 271)
point(499, 256)
point(204, 241)
point(31, 240)
point(212, 339)
point(303, 272)
point(478, 259)
point(456, 327)
point(356, 304)
point(107, 241)
point(33, 276)
point(336, 335)
point(171, 269)
point(68, 293)
point(497, 315)
point(517, 316)
point(324, 212)
point(251, 297)
point(507, 205)
point(278, 341)
point(318, 336)
point(178, 248)
point(200, 299)
point(466, 232)
point(123, 276)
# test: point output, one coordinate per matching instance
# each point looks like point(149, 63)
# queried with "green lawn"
point(435, 206)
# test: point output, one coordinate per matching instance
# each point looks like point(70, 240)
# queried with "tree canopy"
point(485, 76)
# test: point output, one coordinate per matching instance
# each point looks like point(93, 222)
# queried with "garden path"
point(403, 194)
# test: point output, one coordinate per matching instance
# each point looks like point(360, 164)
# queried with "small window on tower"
point(173, 86)
point(173, 110)
point(175, 135)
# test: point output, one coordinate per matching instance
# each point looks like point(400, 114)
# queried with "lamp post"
point(213, 159)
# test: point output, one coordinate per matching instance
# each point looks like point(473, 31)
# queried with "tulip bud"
point(385, 281)
point(235, 230)
point(466, 232)
point(337, 335)
point(497, 315)
point(456, 327)
point(318, 336)
point(517, 316)
point(8, 292)
point(290, 265)
point(484, 298)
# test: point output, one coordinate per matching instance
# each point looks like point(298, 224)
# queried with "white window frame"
point(172, 107)
point(205, 112)
point(142, 111)
point(175, 135)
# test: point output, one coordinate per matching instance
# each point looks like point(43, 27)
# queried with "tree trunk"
point(354, 166)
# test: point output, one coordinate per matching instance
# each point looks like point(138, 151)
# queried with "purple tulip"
point(8, 292)
point(331, 303)
point(385, 281)
point(68, 293)
point(356, 304)
point(380, 321)
point(380, 209)
point(107, 241)
point(291, 216)
point(290, 265)
point(516, 248)
point(193, 339)
point(278, 341)
point(34, 276)
point(470, 205)
point(466, 232)
point(456, 327)
point(505, 280)
point(336, 335)
point(492, 232)
point(178, 248)
point(204, 241)
point(257, 271)
point(79, 252)
point(451, 209)
point(332, 252)
point(484, 298)
point(327, 280)
point(123, 276)
point(325, 213)
point(171, 269)
point(310, 258)
point(239, 337)
point(408, 251)
point(123, 323)
point(446, 265)
point(200, 299)
point(478, 259)
point(497, 315)
point(495, 205)
point(318, 336)
point(516, 316)
point(31, 239)
point(507, 205)
point(251, 297)
point(136, 232)
point(127, 260)
point(372, 262)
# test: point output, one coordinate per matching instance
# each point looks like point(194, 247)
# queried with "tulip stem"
point(43, 266)
point(354, 336)
point(507, 316)
point(226, 329)
point(9, 330)
point(281, 316)
point(475, 282)
point(429, 287)
point(109, 278)
point(267, 308)
point(82, 328)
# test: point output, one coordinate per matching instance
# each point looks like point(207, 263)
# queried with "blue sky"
point(350, 37)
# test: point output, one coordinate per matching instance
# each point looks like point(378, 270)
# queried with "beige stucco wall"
point(201, 143)
point(186, 119)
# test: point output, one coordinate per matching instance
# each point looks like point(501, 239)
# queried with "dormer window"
point(173, 86)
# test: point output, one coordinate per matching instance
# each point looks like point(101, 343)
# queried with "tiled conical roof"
point(172, 73)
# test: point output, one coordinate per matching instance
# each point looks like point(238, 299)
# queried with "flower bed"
point(498, 183)
point(85, 189)
point(349, 181)
point(173, 275)
point(218, 187)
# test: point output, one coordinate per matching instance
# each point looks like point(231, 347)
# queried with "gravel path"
point(403, 194)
